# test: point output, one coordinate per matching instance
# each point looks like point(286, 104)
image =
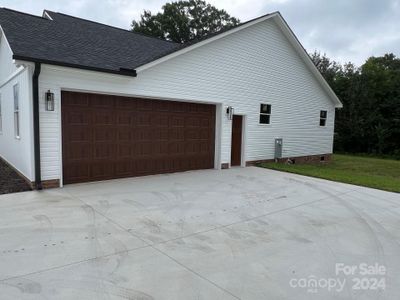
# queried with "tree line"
point(369, 121)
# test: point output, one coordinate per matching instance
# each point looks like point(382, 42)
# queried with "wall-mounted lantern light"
point(49, 101)
point(229, 112)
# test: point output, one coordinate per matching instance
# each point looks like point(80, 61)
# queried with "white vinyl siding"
point(240, 70)
point(17, 152)
point(7, 67)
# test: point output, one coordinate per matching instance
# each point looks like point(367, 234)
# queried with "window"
point(265, 113)
point(1, 118)
point(322, 117)
point(16, 110)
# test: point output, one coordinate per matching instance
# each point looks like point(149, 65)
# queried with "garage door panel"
point(176, 134)
point(123, 168)
point(78, 152)
point(160, 134)
point(107, 137)
point(78, 118)
point(144, 166)
point(160, 148)
point(177, 121)
point(124, 150)
point(125, 118)
point(192, 134)
point(77, 172)
point(104, 150)
point(101, 101)
point(78, 134)
point(102, 169)
point(103, 117)
point(143, 120)
point(105, 133)
point(125, 104)
point(80, 100)
point(145, 105)
point(177, 148)
point(124, 134)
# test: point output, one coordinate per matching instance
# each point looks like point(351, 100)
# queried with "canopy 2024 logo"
point(361, 277)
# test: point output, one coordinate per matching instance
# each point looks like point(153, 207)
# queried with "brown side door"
point(236, 151)
point(107, 137)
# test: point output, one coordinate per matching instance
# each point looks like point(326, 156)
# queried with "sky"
point(346, 30)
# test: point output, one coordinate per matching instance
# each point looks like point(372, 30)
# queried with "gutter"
point(121, 71)
point(36, 131)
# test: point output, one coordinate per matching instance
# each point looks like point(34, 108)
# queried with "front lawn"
point(376, 173)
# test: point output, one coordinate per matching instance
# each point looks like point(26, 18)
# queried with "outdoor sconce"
point(49, 101)
point(229, 112)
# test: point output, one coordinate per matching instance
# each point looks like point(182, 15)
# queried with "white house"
point(83, 101)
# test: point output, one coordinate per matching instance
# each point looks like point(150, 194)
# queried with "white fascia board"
point(280, 21)
point(23, 63)
point(202, 43)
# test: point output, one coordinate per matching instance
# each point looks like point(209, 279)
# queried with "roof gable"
point(64, 40)
point(287, 32)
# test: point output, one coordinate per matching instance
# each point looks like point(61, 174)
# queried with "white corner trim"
point(12, 76)
point(205, 42)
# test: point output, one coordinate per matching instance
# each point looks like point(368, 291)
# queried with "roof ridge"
point(111, 26)
point(23, 13)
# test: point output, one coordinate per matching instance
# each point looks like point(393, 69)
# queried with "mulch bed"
point(10, 181)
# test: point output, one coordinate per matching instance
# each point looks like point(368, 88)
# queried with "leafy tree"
point(328, 68)
point(183, 21)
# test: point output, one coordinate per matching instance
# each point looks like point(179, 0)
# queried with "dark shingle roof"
point(76, 42)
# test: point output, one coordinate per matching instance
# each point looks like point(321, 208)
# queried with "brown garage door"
point(106, 137)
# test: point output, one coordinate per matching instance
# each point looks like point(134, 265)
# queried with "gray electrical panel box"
point(278, 148)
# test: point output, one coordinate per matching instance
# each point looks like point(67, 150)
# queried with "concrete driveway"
point(243, 233)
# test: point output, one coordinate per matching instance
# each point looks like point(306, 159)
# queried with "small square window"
point(265, 113)
point(323, 115)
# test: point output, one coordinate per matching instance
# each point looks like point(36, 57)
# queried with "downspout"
point(36, 130)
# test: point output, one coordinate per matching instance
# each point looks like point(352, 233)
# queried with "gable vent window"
point(265, 113)
point(16, 111)
point(322, 117)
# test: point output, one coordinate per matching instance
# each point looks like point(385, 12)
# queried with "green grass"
point(383, 174)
